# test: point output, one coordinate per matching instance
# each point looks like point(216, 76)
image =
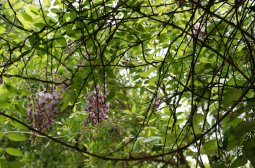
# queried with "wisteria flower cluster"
point(157, 101)
point(199, 30)
point(96, 108)
point(43, 115)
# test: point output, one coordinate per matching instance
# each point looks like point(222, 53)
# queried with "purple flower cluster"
point(157, 101)
point(199, 30)
point(96, 108)
point(45, 109)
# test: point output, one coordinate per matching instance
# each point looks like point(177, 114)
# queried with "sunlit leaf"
point(46, 3)
point(16, 137)
point(18, 5)
point(2, 29)
point(151, 140)
point(27, 17)
point(14, 152)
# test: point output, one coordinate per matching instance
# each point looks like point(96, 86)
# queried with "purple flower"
point(199, 30)
point(43, 115)
point(157, 101)
point(96, 109)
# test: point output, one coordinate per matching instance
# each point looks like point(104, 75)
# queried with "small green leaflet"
point(62, 41)
point(137, 145)
point(157, 147)
point(25, 93)
point(27, 17)
point(218, 165)
point(1, 134)
point(33, 9)
point(4, 104)
point(240, 161)
point(110, 96)
point(20, 109)
point(46, 3)
point(225, 137)
point(243, 128)
point(55, 10)
point(1, 149)
point(122, 96)
point(2, 29)
point(197, 118)
point(18, 5)
point(16, 137)
point(147, 73)
point(4, 164)
point(232, 94)
point(15, 164)
point(18, 125)
point(151, 140)
point(14, 152)
point(133, 109)
point(64, 105)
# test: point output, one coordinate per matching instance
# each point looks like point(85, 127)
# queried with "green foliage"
point(126, 83)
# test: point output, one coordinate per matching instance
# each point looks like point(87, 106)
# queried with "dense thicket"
point(127, 83)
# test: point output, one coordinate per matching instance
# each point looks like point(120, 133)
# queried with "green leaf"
point(20, 109)
point(2, 29)
point(62, 41)
point(73, 15)
point(249, 150)
point(157, 147)
point(197, 118)
point(16, 137)
point(133, 109)
point(18, 5)
point(18, 125)
point(4, 105)
point(14, 152)
point(33, 9)
point(55, 10)
point(151, 140)
point(147, 73)
point(25, 92)
point(199, 68)
point(232, 94)
point(27, 17)
point(1, 134)
point(15, 164)
point(1, 149)
point(4, 165)
point(218, 165)
point(243, 128)
point(10, 88)
point(110, 96)
point(137, 145)
point(122, 96)
point(225, 138)
point(46, 3)
point(240, 161)
point(64, 105)
point(209, 145)
point(2, 118)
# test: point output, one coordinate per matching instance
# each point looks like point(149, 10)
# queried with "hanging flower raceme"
point(43, 114)
point(157, 101)
point(199, 30)
point(96, 108)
